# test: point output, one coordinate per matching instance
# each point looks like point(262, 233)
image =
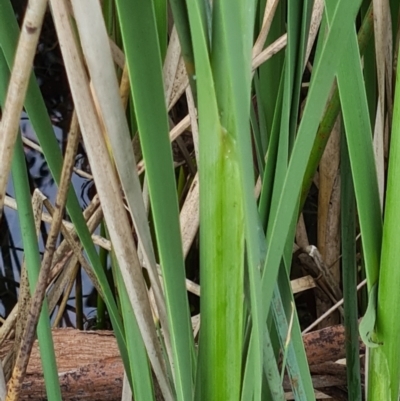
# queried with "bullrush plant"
point(263, 82)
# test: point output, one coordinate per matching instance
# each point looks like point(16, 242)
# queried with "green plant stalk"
point(270, 73)
point(256, 355)
point(331, 114)
point(108, 13)
point(256, 128)
point(385, 360)
point(32, 258)
point(394, 11)
point(222, 255)
point(299, 26)
point(160, 8)
point(39, 118)
point(271, 381)
point(288, 327)
point(265, 202)
point(369, 64)
point(359, 140)
point(31, 249)
point(290, 90)
point(232, 77)
point(349, 274)
point(298, 29)
point(137, 21)
point(221, 212)
point(321, 82)
point(101, 307)
point(139, 363)
point(271, 370)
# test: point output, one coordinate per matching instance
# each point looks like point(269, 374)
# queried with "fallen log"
point(90, 367)
point(88, 363)
point(326, 345)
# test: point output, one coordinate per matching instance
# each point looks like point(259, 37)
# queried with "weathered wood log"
point(326, 345)
point(90, 367)
point(88, 362)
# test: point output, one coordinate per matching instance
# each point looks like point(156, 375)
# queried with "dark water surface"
point(10, 235)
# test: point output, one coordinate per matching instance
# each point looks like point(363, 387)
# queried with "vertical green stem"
point(349, 273)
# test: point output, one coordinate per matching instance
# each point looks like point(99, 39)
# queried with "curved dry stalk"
point(175, 132)
point(97, 239)
point(180, 83)
point(109, 192)
point(124, 87)
point(24, 299)
point(71, 280)
point(17, 88)
point(117, 53)
point(193, 121)
point(60, 275)
point(331, 310)
point(269, 13)
point(76, 247)
point(172, 59)
point(316, 17)
point(189, 216)
point(112, 114)
point(3, 386)
point(9, 324)
point(328, 217)
point(189, 225)
point(268, 52)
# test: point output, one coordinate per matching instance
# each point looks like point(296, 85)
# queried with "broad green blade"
point(231, 55)
point(359, 139)
point(385, 360)
point(221, 197)
point(333, 107)
point(137, 20)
